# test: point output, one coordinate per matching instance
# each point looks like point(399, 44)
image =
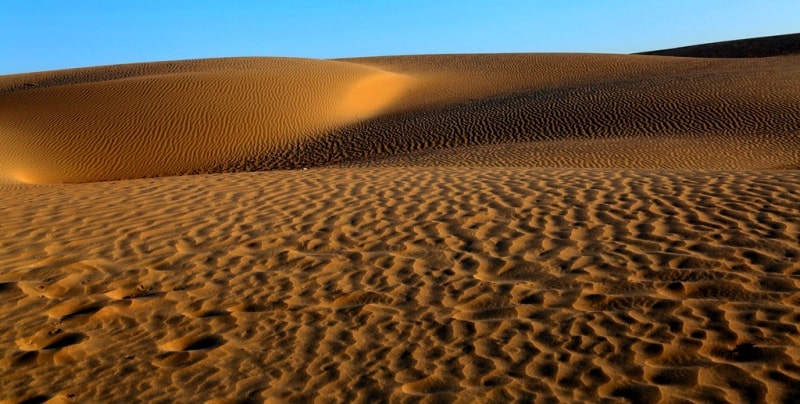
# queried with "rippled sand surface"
point(467, 228)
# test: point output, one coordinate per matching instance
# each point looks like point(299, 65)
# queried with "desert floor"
point(579, 227)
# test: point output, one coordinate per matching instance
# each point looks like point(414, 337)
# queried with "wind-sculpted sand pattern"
point(699, 152)
point(253, 114)
point(146, 120)
point(660, 109)
point(420, 284)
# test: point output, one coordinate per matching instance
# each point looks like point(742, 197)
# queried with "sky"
point(38, 35)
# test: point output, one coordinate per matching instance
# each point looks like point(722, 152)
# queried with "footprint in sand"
point(192, 343)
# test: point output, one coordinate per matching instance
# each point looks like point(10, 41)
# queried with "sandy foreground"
point(468, 228)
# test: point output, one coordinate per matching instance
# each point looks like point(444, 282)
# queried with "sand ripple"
point(252, 114)
point(112, 123)
point(496, 284)
point(457, 228)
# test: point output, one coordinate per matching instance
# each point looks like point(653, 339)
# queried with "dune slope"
point(95, 124)
point(255, 114)
point(747, 111)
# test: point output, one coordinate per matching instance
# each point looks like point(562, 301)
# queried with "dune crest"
point(372, 94)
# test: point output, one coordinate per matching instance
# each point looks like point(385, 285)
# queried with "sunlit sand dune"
point(449, 228)
point(601, 111)
point(252, 114)
point(142, 121)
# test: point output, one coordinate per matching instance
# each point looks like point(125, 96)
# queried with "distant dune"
point(778, 45)
point(448, 228)
point(230, 115)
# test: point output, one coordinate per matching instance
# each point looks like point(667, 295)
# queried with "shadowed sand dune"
point(467, 228)
point(777, 45)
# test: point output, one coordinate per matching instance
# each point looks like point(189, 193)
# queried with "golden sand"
point(453, 228)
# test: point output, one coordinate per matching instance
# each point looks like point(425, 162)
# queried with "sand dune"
point(768, 46)
point(253, 114)
point(99, 125)
point(466, 228)
point(665, 108)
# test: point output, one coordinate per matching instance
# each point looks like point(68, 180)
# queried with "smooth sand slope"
point(469, 228)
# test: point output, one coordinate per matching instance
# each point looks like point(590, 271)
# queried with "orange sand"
point(470, 228)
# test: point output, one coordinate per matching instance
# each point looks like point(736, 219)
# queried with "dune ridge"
point(668, 101)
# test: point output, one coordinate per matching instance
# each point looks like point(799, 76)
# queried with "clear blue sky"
point(44, 35)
